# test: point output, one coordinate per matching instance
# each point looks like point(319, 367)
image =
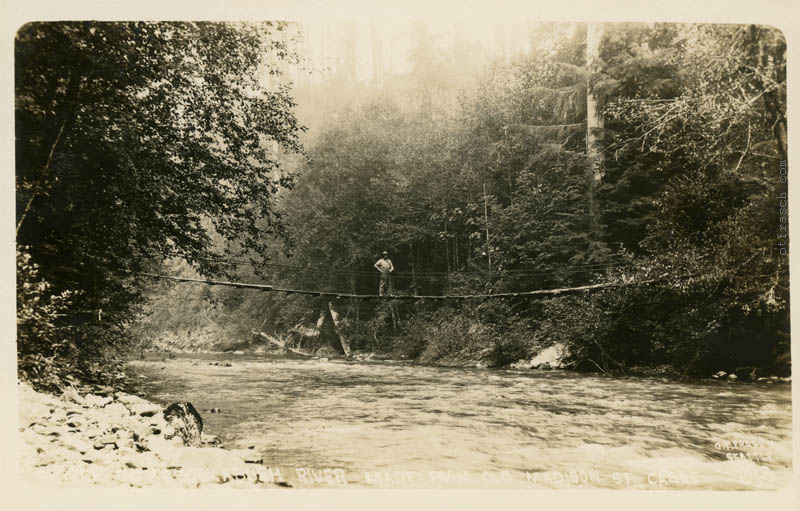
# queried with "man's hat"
point(385, 252)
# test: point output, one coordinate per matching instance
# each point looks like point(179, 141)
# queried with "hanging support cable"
point(266, 287)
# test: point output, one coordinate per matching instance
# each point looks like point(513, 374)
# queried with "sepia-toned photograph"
point(402, 255)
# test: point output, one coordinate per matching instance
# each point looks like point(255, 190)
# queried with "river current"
point(320, 423)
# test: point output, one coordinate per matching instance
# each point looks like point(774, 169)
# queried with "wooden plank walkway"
point(266, 287)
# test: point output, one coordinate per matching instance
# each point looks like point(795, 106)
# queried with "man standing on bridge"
point(385, 266)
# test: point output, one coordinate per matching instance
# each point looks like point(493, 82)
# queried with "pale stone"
point(55, 430)
point(248, 455)
point(125, 451)
point(158, 422)
point(71, 395)
point(105, 440)
point(139, 430)
point(125, 438)
point(74, 443)
point(58, 416)
point(75, 423)
point(130, 399)
point(96, 457)
point(30, 411)
point(521, 364)
point(37, 443)
point(207, 439)
point(94, 401)
point(115, 410)
point(93, 433)
point(144, 409)
point(159, 445)
point(56, 454)
point(141, 460)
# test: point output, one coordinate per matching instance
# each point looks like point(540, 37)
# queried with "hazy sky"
point(321, 43)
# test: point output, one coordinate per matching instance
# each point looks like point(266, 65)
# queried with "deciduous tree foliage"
point(694, 186)
point(140, 141)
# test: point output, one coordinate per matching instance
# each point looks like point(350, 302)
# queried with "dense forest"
point(652, 156)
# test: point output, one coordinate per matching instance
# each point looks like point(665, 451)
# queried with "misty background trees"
point(646, 154)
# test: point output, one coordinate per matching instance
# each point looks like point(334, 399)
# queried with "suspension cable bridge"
point(336, 294)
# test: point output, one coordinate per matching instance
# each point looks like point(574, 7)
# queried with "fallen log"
point(269, 338)
point(299, 352)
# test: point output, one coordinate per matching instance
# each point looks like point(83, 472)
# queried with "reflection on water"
point(406, 426)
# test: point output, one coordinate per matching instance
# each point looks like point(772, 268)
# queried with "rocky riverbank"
point(120, 439)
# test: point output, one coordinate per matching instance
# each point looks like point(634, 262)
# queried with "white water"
point(403, 426)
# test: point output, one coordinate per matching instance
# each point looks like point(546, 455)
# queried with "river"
point(321, 423)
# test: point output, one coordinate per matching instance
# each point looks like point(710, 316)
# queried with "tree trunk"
point(775, 107)
point(353, 302)
point(414, 285)
point(594, 123)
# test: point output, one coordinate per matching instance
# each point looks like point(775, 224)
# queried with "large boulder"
point(550, 358)
point(186, 422)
